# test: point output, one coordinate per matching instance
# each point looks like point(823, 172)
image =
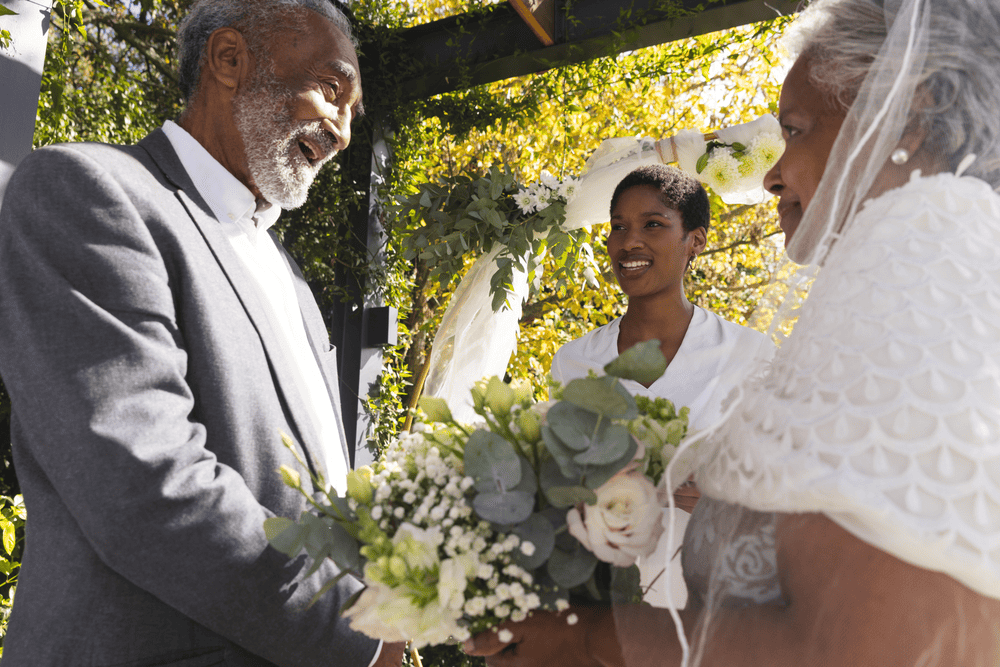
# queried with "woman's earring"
point(900, 156)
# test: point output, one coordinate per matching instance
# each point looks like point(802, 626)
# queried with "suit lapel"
point(161, 151)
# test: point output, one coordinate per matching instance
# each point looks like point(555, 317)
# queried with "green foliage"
point(109, 71)
point(12, 517)
point(5, 34)
point(465, 216)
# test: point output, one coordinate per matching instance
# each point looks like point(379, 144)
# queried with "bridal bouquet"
point(459, 527)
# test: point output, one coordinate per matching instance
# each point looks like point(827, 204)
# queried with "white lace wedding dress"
point(883, 406)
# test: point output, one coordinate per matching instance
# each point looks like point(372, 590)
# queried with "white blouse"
point(713, 358)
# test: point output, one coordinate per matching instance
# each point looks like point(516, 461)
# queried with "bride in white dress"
point(851, 498)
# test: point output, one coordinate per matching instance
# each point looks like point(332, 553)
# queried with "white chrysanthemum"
point(549, 181)
point(568, 189)
point(765, 150)
point(525, 202)
point(722, 171)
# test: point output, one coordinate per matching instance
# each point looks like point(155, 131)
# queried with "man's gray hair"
point(257, 20)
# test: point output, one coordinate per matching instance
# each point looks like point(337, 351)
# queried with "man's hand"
point(391, 655)
point(581, 636)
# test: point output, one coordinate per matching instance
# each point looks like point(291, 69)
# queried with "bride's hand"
point(686, 496)
point(548, 638)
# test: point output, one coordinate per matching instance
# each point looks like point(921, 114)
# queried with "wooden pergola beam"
point(539, 16)
point(464, 51)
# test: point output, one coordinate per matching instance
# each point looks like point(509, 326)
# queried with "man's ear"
point(227, 59)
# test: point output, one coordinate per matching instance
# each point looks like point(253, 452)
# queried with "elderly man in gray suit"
point(156, 341)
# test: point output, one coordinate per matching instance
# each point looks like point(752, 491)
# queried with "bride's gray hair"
point(257, 20)
point(842, 38)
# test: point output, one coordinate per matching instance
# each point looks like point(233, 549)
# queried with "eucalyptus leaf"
point(602, 395)
point(552, 475)
point(528, 483)
point(595, 476)
point(626, 585)
point(492, 462)
point(571, 568)
point(540, 532)
point(643, 363)
point(611, 445)
point(509, 508)
point(567, 496)
point(562, 456)
point(573, 425)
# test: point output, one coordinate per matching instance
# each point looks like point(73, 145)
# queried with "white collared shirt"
point(247, 230)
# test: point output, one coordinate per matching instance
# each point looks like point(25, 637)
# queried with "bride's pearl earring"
point(900, 156)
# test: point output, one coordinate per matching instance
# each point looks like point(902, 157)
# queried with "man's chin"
point(288, 196)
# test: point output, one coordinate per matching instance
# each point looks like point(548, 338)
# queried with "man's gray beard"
point(271, 137)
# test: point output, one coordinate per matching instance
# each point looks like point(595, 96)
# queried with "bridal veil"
point(882, 407)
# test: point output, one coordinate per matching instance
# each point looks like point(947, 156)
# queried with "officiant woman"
point(659, 222)
point(851, 500)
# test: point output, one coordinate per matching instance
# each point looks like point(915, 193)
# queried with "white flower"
point(549, 181)
point(475, 607)
point(453, 577)
point(525, 201)
point(722, 171)
point(527, 548)
point(505, 635)
point(624, 524)
point(418, 547)
point(568, 189)
point(765, 150)
point(390, 614)
point(572, 619)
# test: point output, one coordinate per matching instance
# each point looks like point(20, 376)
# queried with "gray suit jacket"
point(149, 394)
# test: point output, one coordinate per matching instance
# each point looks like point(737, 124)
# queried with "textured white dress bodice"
point(882, 409)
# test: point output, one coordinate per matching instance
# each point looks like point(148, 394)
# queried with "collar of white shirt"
point(229, 199)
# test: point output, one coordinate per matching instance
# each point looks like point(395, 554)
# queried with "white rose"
point(624, 524)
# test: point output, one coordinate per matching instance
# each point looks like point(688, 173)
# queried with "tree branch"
point(731, 246)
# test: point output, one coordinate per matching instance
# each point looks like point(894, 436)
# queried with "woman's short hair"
point(842, 38)
point(257, 20)
point(678, 191)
